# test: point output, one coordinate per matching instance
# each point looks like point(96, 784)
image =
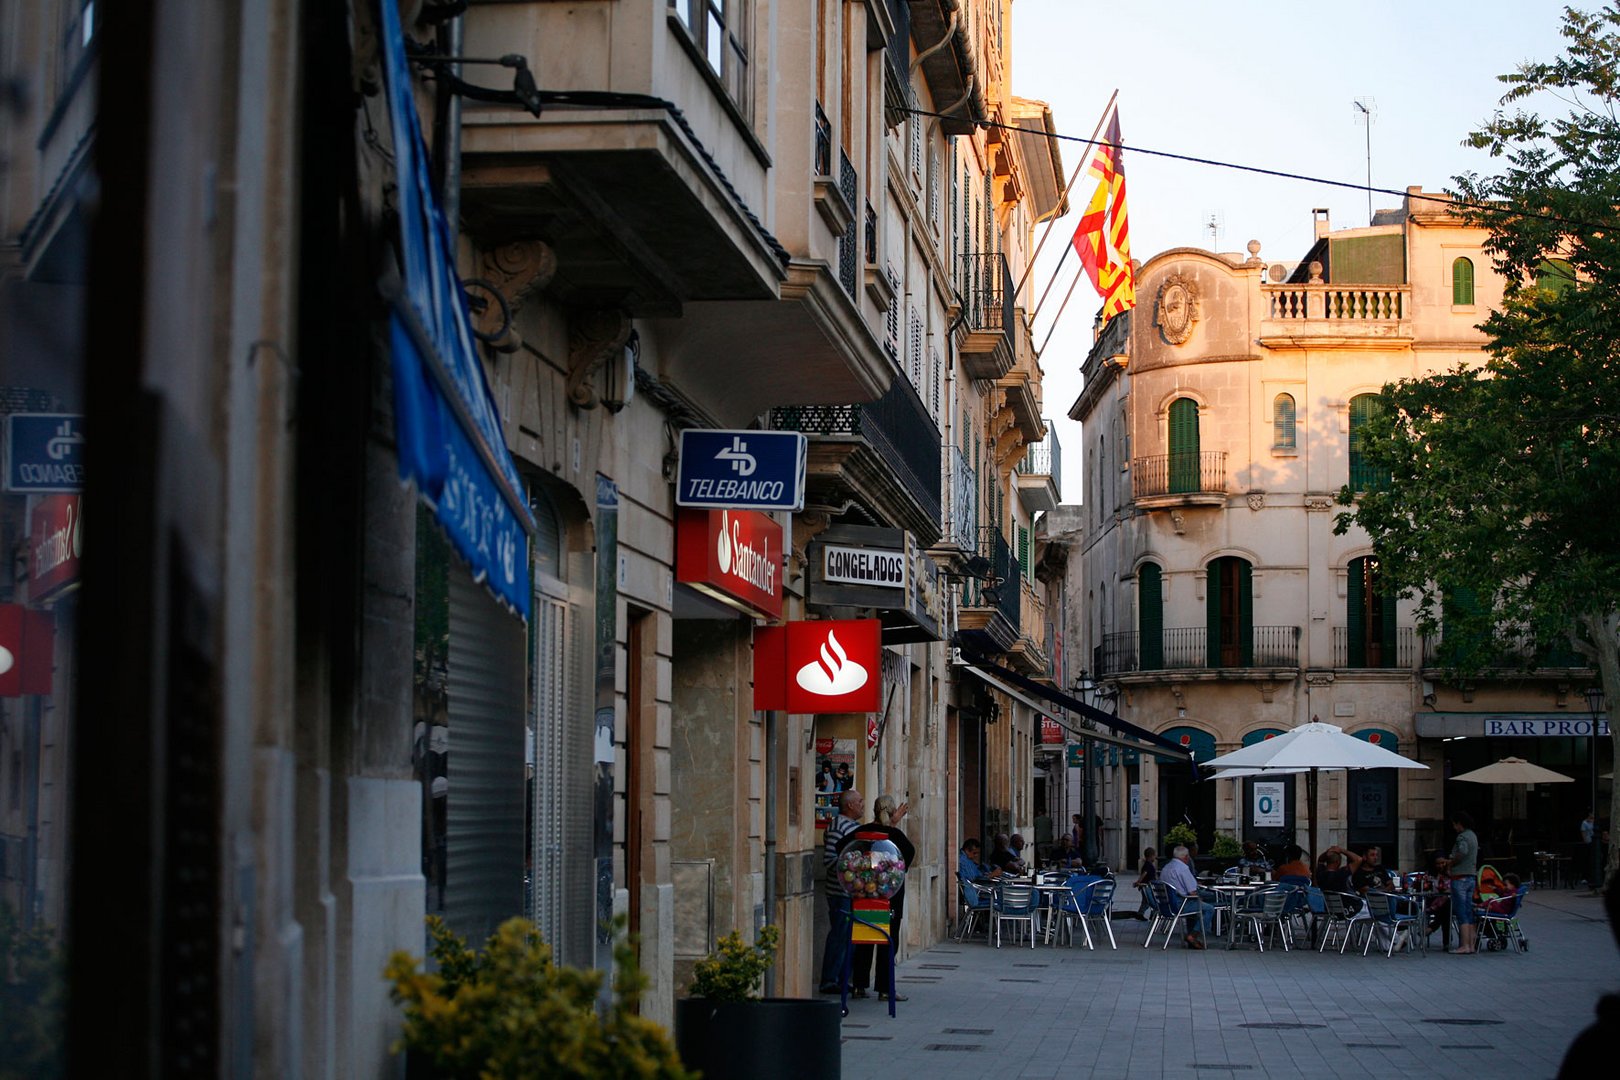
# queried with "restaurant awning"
point(446, 425)
point(1041, 697)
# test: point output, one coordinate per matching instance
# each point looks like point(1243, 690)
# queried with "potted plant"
point(726, 1030)
point(508, 1011)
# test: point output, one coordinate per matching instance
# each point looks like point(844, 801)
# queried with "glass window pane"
point(714, 38)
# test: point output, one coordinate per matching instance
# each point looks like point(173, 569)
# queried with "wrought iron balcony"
point(1505, 651)
point(1350, 653)
point(987, 349)
point(1040, 473)
point(1186, 477)
point(899, 431)
point(962, 530)
point(992, 609)
point(1174, 648)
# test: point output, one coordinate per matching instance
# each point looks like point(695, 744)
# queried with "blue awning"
point(447, 427)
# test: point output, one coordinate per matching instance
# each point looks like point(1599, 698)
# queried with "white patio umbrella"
point(1310, 748)
point(1514, 770)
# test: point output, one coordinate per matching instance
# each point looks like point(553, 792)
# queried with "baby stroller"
point(1499, 922)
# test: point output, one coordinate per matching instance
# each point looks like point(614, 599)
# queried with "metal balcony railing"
point(1509, 651)
point(823, 159)
point(849, 254)
point(1045, 458)
point(987, 291)
point(1191, 647)
point(896, 426)
point(1350, 653)
point(1005, 591)
point(1183, 473)
point(964, 487)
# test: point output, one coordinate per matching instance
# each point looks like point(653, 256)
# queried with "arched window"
point(1183, 445)
point(1462, 282)
point(1282, 422)
point(1150, 616)
point(1363, 407)
point(1369, 611)
point(1553, 276)
point(1229, 600)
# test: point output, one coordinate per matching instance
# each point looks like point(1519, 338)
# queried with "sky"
point(1269, 83)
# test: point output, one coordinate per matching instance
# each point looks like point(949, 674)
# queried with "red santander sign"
point(826, 666)
point(733, 555)
point(55, 540)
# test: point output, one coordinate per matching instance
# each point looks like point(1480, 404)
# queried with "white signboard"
point(1136, 806)
point(864, 566)
point(1581, 729)
point(1268, 804)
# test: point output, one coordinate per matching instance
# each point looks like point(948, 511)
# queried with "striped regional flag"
point(1103, 237)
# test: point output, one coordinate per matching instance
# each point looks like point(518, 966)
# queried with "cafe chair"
point(976, 901)
point(1391, 916)
point(1169, 908)
point(1015, 904)
point(1266, 915)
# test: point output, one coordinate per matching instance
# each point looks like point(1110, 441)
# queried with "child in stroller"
point(1499, 916)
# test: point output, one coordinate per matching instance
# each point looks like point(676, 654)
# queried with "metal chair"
point(1267, 911)
point(1098, 905)
point(1390, 914)
point(1169, 908)
point(1015, 904)
point(1339, 916)
point(976, 901)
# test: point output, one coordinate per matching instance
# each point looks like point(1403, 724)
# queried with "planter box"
point(785, 1038)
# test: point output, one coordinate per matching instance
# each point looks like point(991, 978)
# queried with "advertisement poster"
point(1136, 806)
point(835, 773)
point(1268, 804)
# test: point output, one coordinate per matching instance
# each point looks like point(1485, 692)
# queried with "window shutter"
point(1023, 549)
point(1462, 282)
point(1282, 412)
point(936, 379)
point(1183, 445)
point(933, 190)
point(1245, 599)
point(1150, 615)
point(1355, 614)
point(1363, 407)
point(1212, 611)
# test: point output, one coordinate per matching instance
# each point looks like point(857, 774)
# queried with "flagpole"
point(1051, 329)
point(1084, 158)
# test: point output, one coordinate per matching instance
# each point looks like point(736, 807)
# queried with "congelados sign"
point(734, 556)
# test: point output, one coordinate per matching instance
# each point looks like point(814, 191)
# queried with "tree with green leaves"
point(1499, 500)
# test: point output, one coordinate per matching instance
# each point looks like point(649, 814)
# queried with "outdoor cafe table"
point(1051, 895)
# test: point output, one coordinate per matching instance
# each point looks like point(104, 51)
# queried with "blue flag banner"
point(447, 426)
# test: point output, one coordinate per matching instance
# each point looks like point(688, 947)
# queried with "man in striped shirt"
point(850, 807)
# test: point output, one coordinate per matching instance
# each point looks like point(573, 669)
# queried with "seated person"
point(1332, 875)
point(1150, 870)
point(968, 865)
point(1254, 861)
point(1294, 864)
point(1016, 846)
point(1003, 858)
point(1060, 854)
point(1502, 903)
point(1178, 874)
point(1368, 873)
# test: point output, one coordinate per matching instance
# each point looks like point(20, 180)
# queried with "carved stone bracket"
point(517, 271)
point(593, 337)
point(1318, 504)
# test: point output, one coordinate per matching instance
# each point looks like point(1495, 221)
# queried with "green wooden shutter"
point(1388, 650)
point(1183, 445)
point(1553, 276)
point(1150, 615)
point(1212, 611)
point(1462, 282)
point(1355, 615)
point(1363, 407)
point(1245, 599)
point(1023, 550)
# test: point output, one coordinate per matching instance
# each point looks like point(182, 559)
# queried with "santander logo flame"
point(834, 674)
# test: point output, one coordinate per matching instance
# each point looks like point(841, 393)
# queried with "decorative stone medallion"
point(1257, 500)
point(1177, 308)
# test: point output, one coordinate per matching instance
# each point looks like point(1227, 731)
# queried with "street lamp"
point(1594, 706)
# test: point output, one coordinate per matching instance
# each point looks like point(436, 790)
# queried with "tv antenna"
point(1214, 224)
point(1366, 110)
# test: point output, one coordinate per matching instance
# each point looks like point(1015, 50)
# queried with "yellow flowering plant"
point(733, 971)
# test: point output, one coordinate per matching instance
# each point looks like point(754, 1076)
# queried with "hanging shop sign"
point(827, 666)
point(1546, 729)
point(878, 570)
point(1052, 733)
point(1075, 755)
point(27, 646)
point(55, 542)
point(750, 470)
point(1454, 725)
point(44, 452)
point(734, 556)
point(447, 428)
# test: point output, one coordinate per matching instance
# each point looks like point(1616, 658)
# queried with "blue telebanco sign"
point(448, 430)
point(741, 470)
point(44, 452)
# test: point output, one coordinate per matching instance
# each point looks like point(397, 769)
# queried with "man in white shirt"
point(850, 807)
point(1178, 874)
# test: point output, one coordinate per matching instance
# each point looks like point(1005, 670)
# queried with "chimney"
point(1319, 217)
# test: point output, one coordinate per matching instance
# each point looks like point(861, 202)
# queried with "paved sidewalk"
point(976, 1011)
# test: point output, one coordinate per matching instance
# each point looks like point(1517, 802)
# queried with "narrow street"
point(1016, 1012)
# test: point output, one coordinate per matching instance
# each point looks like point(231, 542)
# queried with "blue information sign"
point(742, 470)
point(44, 452)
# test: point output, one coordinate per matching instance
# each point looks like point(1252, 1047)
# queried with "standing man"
point(1588, 838)
point(850, 807)
point(1463, 866)
point(885, 825)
